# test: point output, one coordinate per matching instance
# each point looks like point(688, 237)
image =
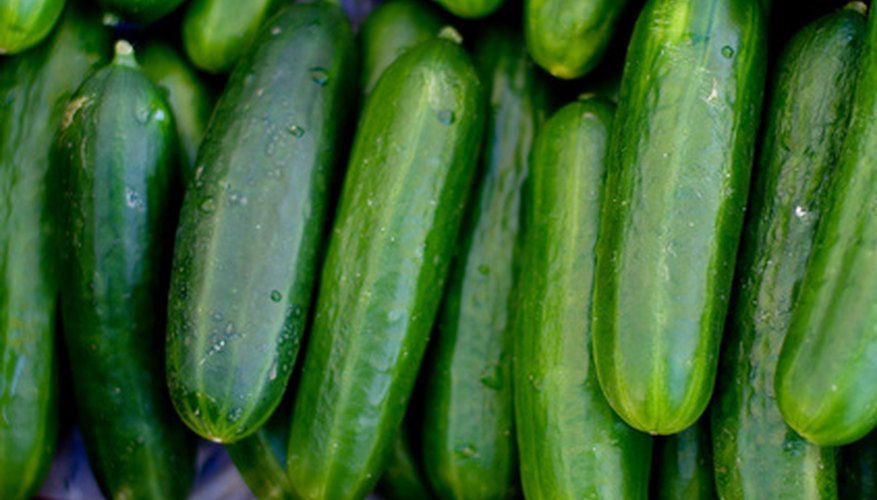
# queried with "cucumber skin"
point(25, 23)
point(471, 9)
point(116, 203)
point(35, 87)
point(140, 11)
point(571, 443)
point(387, 263)
point(828, 364)
point(670, 231)
point(264, 171)
point(569, 37)
point(684, 465)
point(857, 473)
point(757, 455)
point(261, 457)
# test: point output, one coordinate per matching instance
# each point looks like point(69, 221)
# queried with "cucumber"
point(35, 87)
point(471, 9)
point(828, 363)
point(252, 222)
point(857, 473)
point(679, 165)
point(217, 32)
point(756, 454)
point(138, 11)
point(571, 443)
point(261, 457)
point(683, 469)
point(116, 150)
point(403, 478)
point(190, 98)
point(25, 23)
point(468, 430)
point(569, 37)
point(390, 30)
point(385, 269)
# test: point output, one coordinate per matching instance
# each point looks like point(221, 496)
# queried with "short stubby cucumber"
point(25, 23)
point(683, 465)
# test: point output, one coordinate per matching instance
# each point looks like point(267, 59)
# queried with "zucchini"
point(35, 87)
point(569, 37)
point(252, 222)
point(471, 9)
point(25, 23)
point(116, 150)
point(756, 454)
point(683, 469)
point(828, 363)
point(679, 165)
point(468, 430)
point(138, 11)
point(403, 478)
point(857, 473)
point(261, 457)
point(385, 269)
point(571, 443)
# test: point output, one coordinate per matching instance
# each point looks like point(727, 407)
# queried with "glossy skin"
point(253, 223)
point(569, 37)
point(36, 86)
point(571, 443)
point(140, 11)
point(409, 176)
point(857, 473)
point(261, 457)
point(25, 23)
point(757, 455)
point(468, 430)
point(115, 201)
point(683, 466)
point(828, 364)
point(679, 167)
point(471, 9)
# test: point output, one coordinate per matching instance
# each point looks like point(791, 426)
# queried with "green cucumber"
point(116, 150)
point(25, 23)
point(190, 98)
point(261, 457)
point(34, 89)
point(756, 454)
point(857, 473)
point(471, 9)
point(679, 167)
point(468, 430)
point(828, 363)
point(409, 175)
point(217, 32)
point(253, 220)
point(683, 466)
point(403, 478)
point(571, 443)
point(569, 37)
point(390, 30)
point(139, 11)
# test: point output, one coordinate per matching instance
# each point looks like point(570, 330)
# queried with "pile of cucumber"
point(614, 249)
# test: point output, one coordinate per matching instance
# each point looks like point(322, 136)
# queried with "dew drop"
point(296, 131)
point(208, 205)
point(276, 296)
point(275, 30)
point(446, 117)
point(728, 51)
point(319, 76)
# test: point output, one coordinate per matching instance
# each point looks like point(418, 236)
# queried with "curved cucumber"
point(117, 146)
point(756, 454)
point(471, 9)
point(857, 473)
point(140, 11)
point(571, 443)
point(828, 364)
point(25, 23)
point(403, 479)
point(409, 176)
point(679, 167)
point(253, 221)
point(683, 466)
point(36, 86)
point(261, 457)
point(569, 37)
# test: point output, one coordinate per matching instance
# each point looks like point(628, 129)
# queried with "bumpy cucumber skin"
point(828, 364)
point(25, 23)
point(683, 469)
point(679, 166)
point(757, 455)
point(261, 457)
point(116, 151)
point(468, 430)
point(252, 223)
point(217, 32)
point(471, 9)
point(857, 473)
point(190, 98)
point(35, 87)
point(390, 30)
point(140, 11)
point(569, 37)
point(571, 443)
point(403, 478)
point(409, 176)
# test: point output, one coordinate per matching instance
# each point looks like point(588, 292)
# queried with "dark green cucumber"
point(569, 37)
point(116, 149)
point(390, 30)
point(139, 11)
point(409, 176)
point(190, 99)
point(571, 443)
point(857, 473)
point(25, 23)
point(756, 454)
point(261, 457)
point(679, 167)
point(217, 32)
point(828, 364)
point(683, 466)
point(34, 89)
point(468, 430)
point(471, 9)
point(253, 222)
point(403, 478)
